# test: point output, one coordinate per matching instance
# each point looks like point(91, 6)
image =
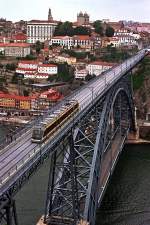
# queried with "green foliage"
point(30, 57)
point(89, 77)
point(38, 46)
point(11, 66)
point(138, 80)
point(65, 73)
point(142, 73)
point(82, 31)
point(78, 55)
point(113, 54)
point(64, 29)
point(109, 31)
point(2, 56)
point(15, 78)
point(52, 78)
point(2, 80)
point(98, 27)
point(26, 92)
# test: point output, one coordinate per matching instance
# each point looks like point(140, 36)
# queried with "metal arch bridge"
point(83, 151)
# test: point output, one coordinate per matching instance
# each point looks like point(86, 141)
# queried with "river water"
point(127, 199)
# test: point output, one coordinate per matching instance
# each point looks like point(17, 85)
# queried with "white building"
point(34, 69)
point(40, 30)
point(69, 60)
point(84, 41)
point(123, 37)
point(36, 75)
point(123, 40)
point(98, 67)
point(28, 64)
point(15, 49)
point(81, 74)
point(50, 69)
point(65, 41)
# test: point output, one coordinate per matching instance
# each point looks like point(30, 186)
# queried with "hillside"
point(141, 86)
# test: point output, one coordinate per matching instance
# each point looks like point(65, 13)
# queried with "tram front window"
point(37, 134)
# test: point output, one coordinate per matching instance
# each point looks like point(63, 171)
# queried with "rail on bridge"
point(83, 153)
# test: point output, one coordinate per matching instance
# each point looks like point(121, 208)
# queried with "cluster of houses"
point(19, 43)
point(40, 101)
point(31, 69)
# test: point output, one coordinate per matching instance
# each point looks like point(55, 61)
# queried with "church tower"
point(50, 15)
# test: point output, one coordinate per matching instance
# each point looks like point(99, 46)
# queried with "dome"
point(80, 14)
point(85, 14)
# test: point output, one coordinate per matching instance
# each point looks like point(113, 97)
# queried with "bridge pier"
point(62, 194)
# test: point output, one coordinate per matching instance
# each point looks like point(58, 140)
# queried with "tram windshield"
point(37, 133)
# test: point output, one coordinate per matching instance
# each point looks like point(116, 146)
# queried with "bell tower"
point(50, 15)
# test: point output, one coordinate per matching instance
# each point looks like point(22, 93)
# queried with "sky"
point(115, 10)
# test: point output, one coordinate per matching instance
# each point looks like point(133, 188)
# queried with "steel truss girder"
point(8, 214)
point(109, 119)
point(84, 139)
point(124, 119)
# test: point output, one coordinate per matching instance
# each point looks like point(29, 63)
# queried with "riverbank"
point(141, 136)
point(137, 142)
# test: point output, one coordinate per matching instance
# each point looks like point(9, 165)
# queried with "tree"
point(63, 29)
point(89, 77)
point(30, 57)
point(51, 78)
point(58, 29)
point(11, 66)
point(109, 31)
point(15, 78)
point(65, 73)
point(82, 30)
point(38, 46)
point(98, 27)
point(26, 92)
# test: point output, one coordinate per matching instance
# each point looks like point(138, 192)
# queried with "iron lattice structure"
point(83, 162)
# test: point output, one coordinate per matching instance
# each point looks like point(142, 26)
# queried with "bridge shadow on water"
point(127, 199)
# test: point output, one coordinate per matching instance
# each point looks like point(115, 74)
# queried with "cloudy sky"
point(137, 10)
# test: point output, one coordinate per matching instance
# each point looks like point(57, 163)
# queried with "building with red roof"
point(19, 38)
point(16, 102)
point(15, 49)
point(35, 69)
point(65, 41)
point(84, 41)
point(48, 97)
point(40, 101)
